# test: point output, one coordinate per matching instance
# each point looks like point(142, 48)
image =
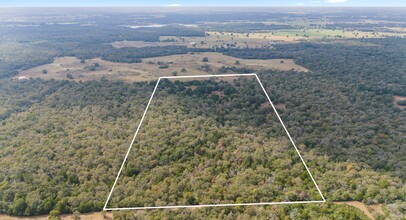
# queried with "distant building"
point(192, 43)
point(22, 78)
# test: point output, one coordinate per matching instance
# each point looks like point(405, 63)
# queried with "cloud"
point(300, 4)
point(336, 1)
point(174, 5)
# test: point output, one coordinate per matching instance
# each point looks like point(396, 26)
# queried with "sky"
point(185, 3)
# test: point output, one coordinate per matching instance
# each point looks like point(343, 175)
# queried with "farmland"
point(258, 39)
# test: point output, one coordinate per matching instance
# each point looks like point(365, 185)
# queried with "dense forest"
point(347, 98)
point(212, 143)
point(92, 123)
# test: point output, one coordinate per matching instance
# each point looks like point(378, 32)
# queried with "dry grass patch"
point(217, 60)
point(71, 68)
point(87, 216)
point(376, 209)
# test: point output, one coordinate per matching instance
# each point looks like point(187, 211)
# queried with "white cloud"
point(336, 1)
point(174, 5)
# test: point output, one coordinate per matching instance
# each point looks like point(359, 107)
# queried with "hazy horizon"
point(207, 3)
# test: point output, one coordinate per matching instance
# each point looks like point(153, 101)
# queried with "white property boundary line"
point(211, 205)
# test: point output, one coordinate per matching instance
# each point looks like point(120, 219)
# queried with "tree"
point(44, 71)
point(62, 206)
point(19, 206)
point(54, 215)
point(401, 102)
point(205, 59)
point(164, 66)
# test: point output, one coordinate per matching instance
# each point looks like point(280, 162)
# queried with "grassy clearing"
point(72, 68)
point(219, 39)
point(257, 39)
point(150, 68)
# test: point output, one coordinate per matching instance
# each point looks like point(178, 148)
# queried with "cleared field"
point(215, 40)
point(217, 60)
point(71, 68)
point(225, 39)
point(257, 39)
